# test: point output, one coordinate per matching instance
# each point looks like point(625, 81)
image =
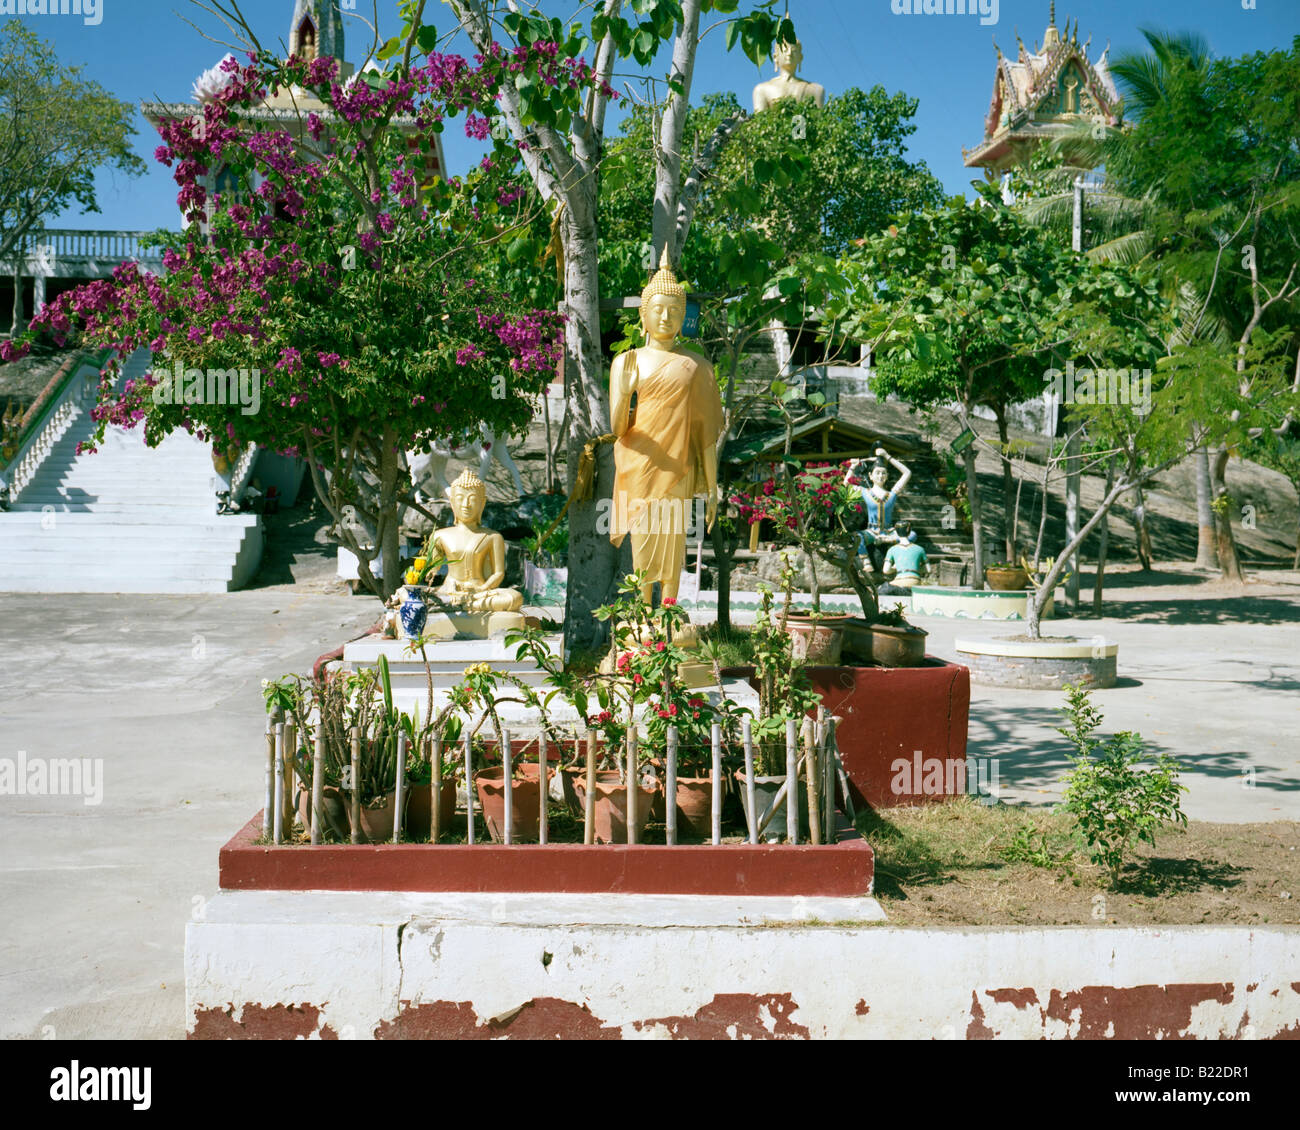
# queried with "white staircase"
point(126, 519)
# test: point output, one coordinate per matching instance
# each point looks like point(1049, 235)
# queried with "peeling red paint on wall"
point(728, 1015)
point(862, 1008)
point(434, 1020)
point(734, 1016)
point(1021, 998)
point(977, 1029)
point(542, 1018)
point(549, 1018)
point(1143, 1012)
point(256, 1022)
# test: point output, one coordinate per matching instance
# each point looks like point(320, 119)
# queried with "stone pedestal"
point(472, 625)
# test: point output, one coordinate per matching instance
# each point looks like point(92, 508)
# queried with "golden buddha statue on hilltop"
point(787, 84)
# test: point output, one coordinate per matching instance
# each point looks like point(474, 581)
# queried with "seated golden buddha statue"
point(787, 84)
point(476, 557)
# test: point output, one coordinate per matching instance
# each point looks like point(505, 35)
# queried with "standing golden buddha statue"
point(667, 417)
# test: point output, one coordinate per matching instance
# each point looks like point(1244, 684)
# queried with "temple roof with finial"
point(1040, 93)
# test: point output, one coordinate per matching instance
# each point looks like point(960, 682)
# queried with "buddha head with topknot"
point(468, 497)
point(663, 302)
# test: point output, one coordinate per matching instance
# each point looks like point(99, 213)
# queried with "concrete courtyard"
point(166, 690)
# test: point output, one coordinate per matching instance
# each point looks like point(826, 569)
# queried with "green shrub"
point(1115, 801)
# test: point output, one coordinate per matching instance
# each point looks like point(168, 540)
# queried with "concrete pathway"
point(166, 690)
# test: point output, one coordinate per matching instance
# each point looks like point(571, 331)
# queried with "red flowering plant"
point(338, 302)
point(645, 683)
point(811, 506)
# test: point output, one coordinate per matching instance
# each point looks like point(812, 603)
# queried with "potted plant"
point(1004, 576)
point(886, 640)
point(784, 695)
point(546, 575)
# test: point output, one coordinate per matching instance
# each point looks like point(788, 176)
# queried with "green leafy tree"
point(56, 129)
point(1218, 146)
point(956, 301)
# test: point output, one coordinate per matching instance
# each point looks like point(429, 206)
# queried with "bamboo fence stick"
point(399, 788)
point(279, 782)
point(670, 789)
point(716, 827)
point(792, 781)
point(543, 813)
point(435, 790)
point(318, 784)
point(751, 794)
point(589, 800)
point(469, 789)
point(355, 766)
point(507, 780)
point(828, 780)
point(268, 808)
point(631, 783)
point(814, 785)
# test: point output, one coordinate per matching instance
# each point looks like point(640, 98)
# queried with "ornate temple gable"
point(1040, 92)
point(317, 29)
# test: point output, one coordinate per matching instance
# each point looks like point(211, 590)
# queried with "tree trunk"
point(1225, 544)
point(1141, 529)
point(1103, 540)
point(592, 559)
point(19, 317)
point(390, 511)
point(976, 518)
point(723, 549)
point(1008, 490)
point(1073, 477)
point(668, 153)
point(1206, 555)
point(1038, 598)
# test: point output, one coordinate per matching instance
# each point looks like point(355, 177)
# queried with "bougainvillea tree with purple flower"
point(341, 274)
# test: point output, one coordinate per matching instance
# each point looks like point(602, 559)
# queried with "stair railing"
point(44, 423)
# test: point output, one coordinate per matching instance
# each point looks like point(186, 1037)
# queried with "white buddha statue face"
point(788, 57)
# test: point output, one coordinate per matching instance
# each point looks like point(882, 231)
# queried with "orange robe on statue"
point(659, 461)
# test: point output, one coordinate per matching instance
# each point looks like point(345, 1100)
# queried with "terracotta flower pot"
point(1006, 578)
point(818, 642)
point(525, 798)
point(611, 806)
point(419, 808)
point(377, 821)
point(694, 807)
point(335, 802)
point(885, 644)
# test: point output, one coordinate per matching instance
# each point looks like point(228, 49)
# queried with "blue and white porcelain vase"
point(413, 613)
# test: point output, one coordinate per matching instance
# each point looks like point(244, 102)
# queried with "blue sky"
point(145, 49)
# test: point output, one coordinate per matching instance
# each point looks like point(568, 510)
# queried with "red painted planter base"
point(834, 870)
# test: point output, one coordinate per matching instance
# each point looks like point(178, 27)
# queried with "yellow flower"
point(479, 669)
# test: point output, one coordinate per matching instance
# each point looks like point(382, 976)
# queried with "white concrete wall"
point(351, 965)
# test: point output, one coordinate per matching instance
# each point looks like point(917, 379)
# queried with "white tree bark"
point(668, 151)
